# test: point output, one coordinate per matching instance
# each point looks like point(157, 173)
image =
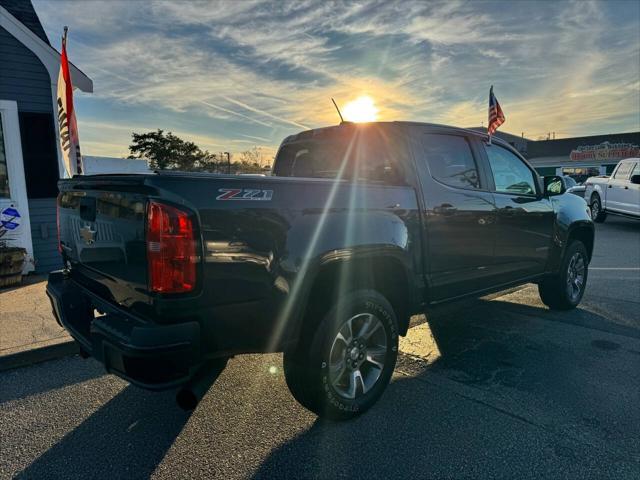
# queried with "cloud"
point(261, 70)
point(260, 139)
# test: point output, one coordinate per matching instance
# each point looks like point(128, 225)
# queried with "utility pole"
point(228, 162)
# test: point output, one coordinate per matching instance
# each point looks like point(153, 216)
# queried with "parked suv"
point(360, 227)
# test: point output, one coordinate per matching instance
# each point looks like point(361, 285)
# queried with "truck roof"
point(321, 131)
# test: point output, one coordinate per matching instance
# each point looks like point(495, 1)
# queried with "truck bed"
point(254, 235)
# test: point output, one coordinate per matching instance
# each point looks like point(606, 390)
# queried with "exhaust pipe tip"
point(186, 400)
point(192, 392)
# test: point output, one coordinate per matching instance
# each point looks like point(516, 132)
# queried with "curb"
point(37, 355)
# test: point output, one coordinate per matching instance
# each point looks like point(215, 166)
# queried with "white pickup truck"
point(618, 194)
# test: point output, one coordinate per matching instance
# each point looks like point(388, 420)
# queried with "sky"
point(234, 75)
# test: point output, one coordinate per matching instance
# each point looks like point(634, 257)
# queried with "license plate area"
point(88, 209)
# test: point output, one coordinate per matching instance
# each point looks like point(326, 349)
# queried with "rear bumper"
point(151, 356)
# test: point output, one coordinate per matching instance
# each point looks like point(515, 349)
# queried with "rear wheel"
point(598, 215)
point(345, 362)
point(565, 290)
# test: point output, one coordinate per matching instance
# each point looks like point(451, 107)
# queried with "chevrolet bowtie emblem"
point(88, 235)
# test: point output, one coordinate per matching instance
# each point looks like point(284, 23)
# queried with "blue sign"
point(10, 218)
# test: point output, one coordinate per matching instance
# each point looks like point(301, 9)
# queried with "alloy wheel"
point(358, 355)
point(595, 209)
point(575, 276)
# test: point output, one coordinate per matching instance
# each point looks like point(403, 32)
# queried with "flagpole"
point(489, 115)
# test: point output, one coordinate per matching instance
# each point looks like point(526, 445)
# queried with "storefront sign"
point(605, 151)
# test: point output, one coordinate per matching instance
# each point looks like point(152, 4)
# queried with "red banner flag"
point(69, 139)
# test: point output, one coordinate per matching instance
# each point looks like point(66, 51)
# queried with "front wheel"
point(564, 290)
point(344, 363)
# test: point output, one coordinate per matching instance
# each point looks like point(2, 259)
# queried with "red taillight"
point(171, 249)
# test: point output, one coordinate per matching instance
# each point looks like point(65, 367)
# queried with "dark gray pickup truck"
point(168, 275)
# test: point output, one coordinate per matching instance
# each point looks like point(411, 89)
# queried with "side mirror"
point(554, 185)
point(635, 179)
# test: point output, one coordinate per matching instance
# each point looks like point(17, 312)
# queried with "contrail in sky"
point(253, 109)
point(212, 105)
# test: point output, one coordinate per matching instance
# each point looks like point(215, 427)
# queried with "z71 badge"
point(244, 194)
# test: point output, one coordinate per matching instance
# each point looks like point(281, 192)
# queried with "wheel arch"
point(595, 193)
point(387, 274)
point(585, 233)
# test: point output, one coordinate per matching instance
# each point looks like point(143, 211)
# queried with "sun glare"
point(362, 109)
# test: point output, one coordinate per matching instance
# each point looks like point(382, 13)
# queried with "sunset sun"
point(362, 109)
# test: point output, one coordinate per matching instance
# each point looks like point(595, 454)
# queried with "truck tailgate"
point(102, 234)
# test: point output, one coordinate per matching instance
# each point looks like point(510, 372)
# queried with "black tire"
point(560, 291)
point(308, 368)
point(598, 215)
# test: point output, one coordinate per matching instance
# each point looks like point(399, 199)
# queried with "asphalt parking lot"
point(499, 387)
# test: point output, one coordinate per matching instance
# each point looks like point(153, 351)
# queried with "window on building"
point(4, 174)
point(39, 154)
point(510, 174)
point(450, 160)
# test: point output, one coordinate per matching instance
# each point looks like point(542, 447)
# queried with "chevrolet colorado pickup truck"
point(360, 226)
point(618, 194)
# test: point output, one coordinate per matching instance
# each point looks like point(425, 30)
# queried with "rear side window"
point(623, 171)
point(510, 174)
point(450, 160)
point(357, 153)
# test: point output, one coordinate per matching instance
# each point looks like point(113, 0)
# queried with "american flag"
point(496, 117)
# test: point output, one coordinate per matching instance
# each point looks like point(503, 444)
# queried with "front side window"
point(450, 160)
point(510, 174)
point(623, 171)
point(4, 175)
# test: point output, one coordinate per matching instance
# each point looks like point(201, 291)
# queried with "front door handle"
point(509, 210)
point(610, 186)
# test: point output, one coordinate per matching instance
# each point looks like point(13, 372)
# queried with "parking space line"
point(615, 268)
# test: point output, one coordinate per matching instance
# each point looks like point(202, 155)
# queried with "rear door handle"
point(445, 209)
point(610, 186)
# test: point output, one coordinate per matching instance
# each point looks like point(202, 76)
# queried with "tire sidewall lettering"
point(389, 324)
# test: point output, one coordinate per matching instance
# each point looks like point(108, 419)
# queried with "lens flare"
point(362, 109)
